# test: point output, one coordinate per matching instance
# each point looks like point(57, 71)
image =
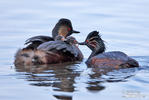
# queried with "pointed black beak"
point(73, 31)
point(82, 43)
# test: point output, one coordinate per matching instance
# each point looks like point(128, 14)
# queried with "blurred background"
point(122, 24)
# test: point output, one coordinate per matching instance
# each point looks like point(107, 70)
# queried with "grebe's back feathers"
point(59, 46)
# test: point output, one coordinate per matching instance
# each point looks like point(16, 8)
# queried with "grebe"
point(52, 52)
point(100, 58)
point(63, 28)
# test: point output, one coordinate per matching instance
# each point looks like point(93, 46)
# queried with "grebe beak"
point(82, 43)
point(73, 31)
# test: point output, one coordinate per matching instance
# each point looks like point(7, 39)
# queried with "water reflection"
point(62, 97)
point(99, 76)
point(62, 77)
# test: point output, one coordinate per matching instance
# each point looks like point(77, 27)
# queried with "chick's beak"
point(63, 39)
point(77, 45)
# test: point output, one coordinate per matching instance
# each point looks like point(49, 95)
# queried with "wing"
point(59, 46)
point(113, 59)
point(115, 55)
point(39, 39)
point(35, 41)
point(53, 46)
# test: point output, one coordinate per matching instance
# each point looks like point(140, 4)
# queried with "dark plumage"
point(50, 50)
point(63, 28)
point(34, 42)
point(63, 25)
point(69, 45)
point(50, 53)
point(100, 58)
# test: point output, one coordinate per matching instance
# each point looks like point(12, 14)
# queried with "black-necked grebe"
point(100, 58)
point(63, 28)
point(52, 52)
point(60, 47)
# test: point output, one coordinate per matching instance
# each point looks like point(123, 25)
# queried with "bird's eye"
point(69, 29)
point(86, 41)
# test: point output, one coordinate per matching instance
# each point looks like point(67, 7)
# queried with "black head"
point(94, 42)
point(63, 28)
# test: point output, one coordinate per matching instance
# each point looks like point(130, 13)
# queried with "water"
point(122, 24)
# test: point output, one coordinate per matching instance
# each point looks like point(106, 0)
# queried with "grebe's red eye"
point(86, 41)
point(69, 29)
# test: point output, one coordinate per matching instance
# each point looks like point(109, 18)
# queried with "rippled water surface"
point(122, 24)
